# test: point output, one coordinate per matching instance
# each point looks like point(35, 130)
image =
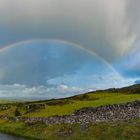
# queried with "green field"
point(67, 106)
point(129, 130)
point(93, 100)
point(101, 131)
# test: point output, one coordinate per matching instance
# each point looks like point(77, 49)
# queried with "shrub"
point(17, 113)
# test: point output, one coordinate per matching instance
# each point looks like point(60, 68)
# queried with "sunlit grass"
point(98, 100)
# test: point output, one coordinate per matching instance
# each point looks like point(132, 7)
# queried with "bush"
point(17, 113)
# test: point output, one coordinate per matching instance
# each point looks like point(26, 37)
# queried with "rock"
point(87, 115)
point(4, 107)
point(34, 107)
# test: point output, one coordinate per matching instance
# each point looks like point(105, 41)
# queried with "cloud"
point(16, 92)
point(36, 62)
point(129, 65)
point(104, 26)
point(109, 28)
point(57, 89)
point(137, 82)
point(95, 81)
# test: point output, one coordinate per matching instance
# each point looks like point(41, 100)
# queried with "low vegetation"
point(99, 131)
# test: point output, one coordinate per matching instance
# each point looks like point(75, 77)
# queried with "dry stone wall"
point(116, 112)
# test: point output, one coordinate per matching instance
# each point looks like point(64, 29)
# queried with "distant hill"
point(135, 89)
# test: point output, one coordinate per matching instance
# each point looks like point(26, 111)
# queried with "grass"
point(102, 131)
point(5, 101)
point(95, 99)
point(69, 105)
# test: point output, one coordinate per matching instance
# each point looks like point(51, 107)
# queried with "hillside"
point(116, 116)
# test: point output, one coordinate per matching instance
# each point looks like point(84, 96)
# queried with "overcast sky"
point(67, 47)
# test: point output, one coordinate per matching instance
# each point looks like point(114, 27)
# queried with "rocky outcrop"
point(4, 107)
point(116, 112)
point(33, 107)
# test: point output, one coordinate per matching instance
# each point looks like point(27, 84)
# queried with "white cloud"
point(23, 92)
point(56, 89)
point(93, 82)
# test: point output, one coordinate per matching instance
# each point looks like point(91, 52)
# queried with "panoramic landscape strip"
point(86, 116)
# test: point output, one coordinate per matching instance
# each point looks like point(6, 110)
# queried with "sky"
point(54, 49)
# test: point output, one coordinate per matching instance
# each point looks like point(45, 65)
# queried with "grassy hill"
point(102, 131)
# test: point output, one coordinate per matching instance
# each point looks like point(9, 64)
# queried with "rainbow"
point(91, 52)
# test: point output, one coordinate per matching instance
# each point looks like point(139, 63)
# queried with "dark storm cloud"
point(102, 26)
